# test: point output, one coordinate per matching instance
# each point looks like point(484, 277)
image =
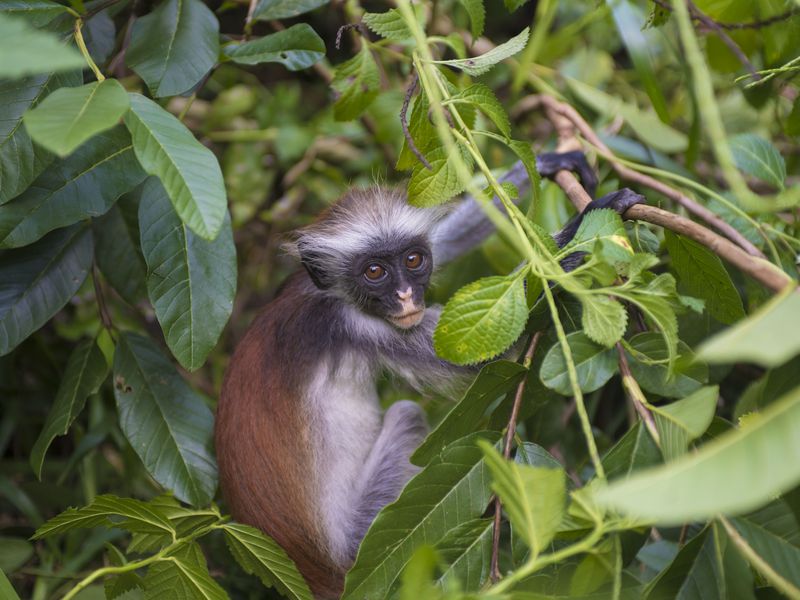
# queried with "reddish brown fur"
point(263, 440)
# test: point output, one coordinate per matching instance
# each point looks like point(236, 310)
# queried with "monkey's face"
point(391, 283)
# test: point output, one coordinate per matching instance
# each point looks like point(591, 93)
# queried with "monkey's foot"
point(550, 163)
point(620, 201)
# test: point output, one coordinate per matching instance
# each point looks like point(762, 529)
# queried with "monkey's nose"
point(405, 295)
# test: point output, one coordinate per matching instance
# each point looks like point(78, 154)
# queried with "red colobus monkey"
point(304, 452)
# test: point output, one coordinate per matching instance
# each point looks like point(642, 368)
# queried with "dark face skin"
point(390, 282)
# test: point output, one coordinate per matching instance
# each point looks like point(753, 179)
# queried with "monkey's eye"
point(414, 260)
point(375, 272)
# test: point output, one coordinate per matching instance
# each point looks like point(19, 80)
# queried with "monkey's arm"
point(466, 225)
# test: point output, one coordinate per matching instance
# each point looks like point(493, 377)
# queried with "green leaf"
point(430, 187)
point(21, 161)
point(174, 46)
point(259, 555)
point(183, 520)
point(36, 12)
point(70, 116)
point(479, 65)
point(533, 497)
point(783, 557)
point(604, 319)
point(734, 473)
point(687, 374)
point(684, 421)
point(85, 184)
point(494, 380)
point(757, 157)
point(595, 365)
point(6, 589)
point(482, 320)
point(14, 552)
point(188, 170)
point(358, 82)
point(760, 338)
point(190, 281)
point(466, 550)
point(451, 490)
point(634, 451)
point(39, 280)
point(182, 575)
point(477, 16)
point(602, 232)
point(85, 372)
point(702, 275)
point(28, 51)
point(422, 131)
point(296, 48)
point(267, 10)
point(528, 158)
point(167, 424)
point(391, 25)
point(792, 126)
point(483, 98)
point(129, 514)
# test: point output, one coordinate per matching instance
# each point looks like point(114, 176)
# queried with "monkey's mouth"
point(409, 319)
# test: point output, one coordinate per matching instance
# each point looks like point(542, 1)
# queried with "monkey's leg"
point(387, 468)
point(619, 201)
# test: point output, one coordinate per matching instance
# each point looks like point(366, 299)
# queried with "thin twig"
point(248, 20)
point(102, 307)
point(510, 430)
point(404, 123)
point(347, 27)
point(634, 393)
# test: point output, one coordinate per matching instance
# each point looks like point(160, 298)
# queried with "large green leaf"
point(260, 555)
point(85, 372)
point(467, 550)
point(477, 16)
point(173, 47)
point(651, 370)
point(702, 275)
point(483, 98)
point(35, 12)
point(128, 513)
point(482, 320)
point(429, 187)
point(451, 490)
point(686, 420)
point(757, 157)
point(191, 281)
point(167, 424)
point(183, 575)
point(533, 497)
point(21, 161)
point(28, 51)
point(735, 472)
point(635, 450)
point(762, 337)
point(779, 554)
point(604, 319)
point(39, 280)
point(85, 184)
point(494, 380)
point(358, 82)
point(594, 364)
point(479, 65)
point(6, 589)
point(188, 170)
point(296, 48)
point(267, 10)
point(70, 116)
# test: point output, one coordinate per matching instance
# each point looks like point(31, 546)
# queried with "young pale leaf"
point(21, 161)
point(466, 550)
point(129, 514)
point(85, 372)
point(483, 98)
point(760, 338)
point(28, 51)
point(391, 25)
point(604, 319)
point(757, 157)
point(190, 281)
point(533, 497)
point(83, 185)
point(477, 16)
point(268, 10)
point(174, 46)
point(494, 380)
point(39, 280)
point(481, 64)
point(36, 12)
point(702, 275)
point(650, 367)
point(259, 555)
point(358, 82)
point(167, 424)
point(685, 420)
point(430, 187)
point(734, 473)
point(70, 116)
point(188, 170)
point(482, 320)
point(296, 48)
point(595, 365)
point(451, 490)
point(182, 575)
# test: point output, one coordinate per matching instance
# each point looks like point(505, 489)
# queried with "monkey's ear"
point(313, 265)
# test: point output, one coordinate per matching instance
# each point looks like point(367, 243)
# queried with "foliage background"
point(288, 143)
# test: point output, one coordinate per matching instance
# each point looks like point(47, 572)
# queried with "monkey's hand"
point(550, 163)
